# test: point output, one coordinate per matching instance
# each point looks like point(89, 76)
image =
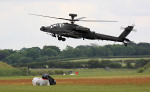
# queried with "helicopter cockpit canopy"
point(58, 25)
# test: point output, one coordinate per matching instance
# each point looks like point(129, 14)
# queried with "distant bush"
point(146, 66)
point(94, 63)
point(34, 73)
point(115, 65)
point(10, 72)
point(140, 70)
point(43, 71)
point(129, 64)
point(141, 63)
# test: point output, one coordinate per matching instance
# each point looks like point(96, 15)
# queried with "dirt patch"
point(83, 81)
point(16, 82)
point(103, 81)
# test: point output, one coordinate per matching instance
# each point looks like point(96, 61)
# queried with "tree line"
point(48, 53)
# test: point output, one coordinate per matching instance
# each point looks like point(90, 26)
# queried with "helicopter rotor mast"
point(72, 18)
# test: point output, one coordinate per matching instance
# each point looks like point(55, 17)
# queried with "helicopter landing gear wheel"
point(125, 43)
point(63, 39)
point(59, 38)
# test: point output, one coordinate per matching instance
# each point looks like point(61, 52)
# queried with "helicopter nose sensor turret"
point(43, 29)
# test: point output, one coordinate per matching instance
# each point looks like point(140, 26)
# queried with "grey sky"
point(18, 29)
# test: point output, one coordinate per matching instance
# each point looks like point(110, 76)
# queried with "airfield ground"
point(91, 80)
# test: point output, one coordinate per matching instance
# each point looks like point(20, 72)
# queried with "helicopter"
point(72, 30)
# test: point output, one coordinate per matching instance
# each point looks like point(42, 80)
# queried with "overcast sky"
point(18, 29)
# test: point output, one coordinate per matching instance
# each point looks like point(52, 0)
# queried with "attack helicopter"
point(61, 30)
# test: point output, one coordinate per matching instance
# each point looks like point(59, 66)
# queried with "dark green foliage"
point(143, 68)
point(58, 72)
point(13, 58)
point(14, 71)
point(55, 48)
point(48, 52)
point(25, 60)
point(129, 64)
point(140, 70)
point(93, 64)
point(115, 65)
point(105, 63)
point(3, 54)
point(53, 53)
point(46, 71)
point(68, 65)
point(141, 63)
point(24, 71)
point(33, 52)
point(10, 72)
point(146, 66)
point(68, 52)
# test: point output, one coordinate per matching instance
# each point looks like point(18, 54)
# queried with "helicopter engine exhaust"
point(82, 29)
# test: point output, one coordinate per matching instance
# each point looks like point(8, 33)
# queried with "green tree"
point(53, 48)
point(25, 60)
point(3, 54)
point(48, 52)
point(13, 58)
point(68, 52)
point(33, 52)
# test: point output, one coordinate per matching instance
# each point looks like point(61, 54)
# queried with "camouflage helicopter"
point(61, 30)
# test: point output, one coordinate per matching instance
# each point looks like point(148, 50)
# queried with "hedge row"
point(26, 72)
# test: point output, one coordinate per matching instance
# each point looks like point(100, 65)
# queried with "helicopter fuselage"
point(73, 30)
point(61, 30)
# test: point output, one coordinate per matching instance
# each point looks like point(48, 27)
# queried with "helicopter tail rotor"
point(125, 33)
point(133, 25)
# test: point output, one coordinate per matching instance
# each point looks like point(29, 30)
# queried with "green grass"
point(4, 65)
point(102, 73)
point(91, 73)
point(76, 88)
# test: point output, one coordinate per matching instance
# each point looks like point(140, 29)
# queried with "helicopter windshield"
point(57, 25)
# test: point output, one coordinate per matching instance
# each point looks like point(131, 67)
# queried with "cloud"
point(82, 8)
point(18, 29)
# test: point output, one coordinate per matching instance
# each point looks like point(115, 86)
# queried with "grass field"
point(76, 88)
point(4, 65)
point(88, 80)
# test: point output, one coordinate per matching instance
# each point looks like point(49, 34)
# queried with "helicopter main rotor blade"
point(78, 19)
point(73, 20)
point(50, 17)
point(97, 21)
